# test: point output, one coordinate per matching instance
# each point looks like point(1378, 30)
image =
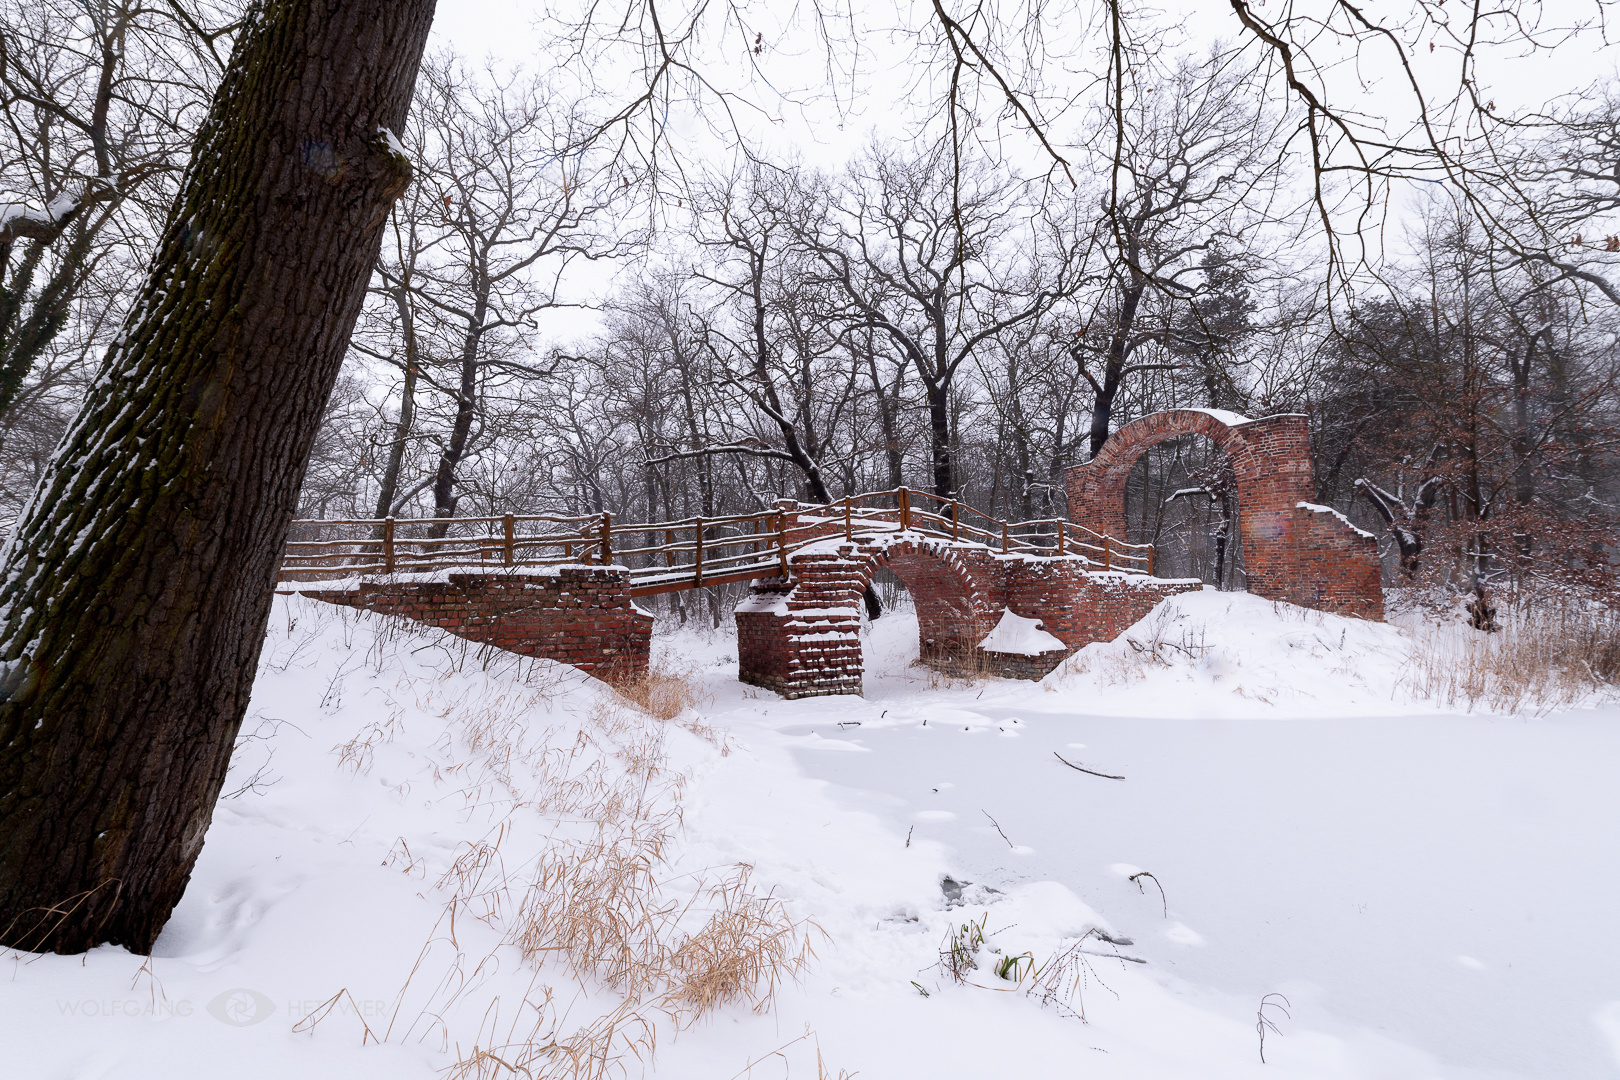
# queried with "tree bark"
point(939, 432)
point(1102, 411)
point(138, 583)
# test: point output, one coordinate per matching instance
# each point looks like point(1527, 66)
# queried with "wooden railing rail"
point(686, 553)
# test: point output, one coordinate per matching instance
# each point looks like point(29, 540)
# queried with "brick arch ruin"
point(1293, 549)
point(803, 639)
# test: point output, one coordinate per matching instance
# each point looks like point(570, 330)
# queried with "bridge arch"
point(1293, 550)
point(954, 612)
point(801, 638)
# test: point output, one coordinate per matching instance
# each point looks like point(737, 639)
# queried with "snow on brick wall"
point(577, 615)
point(803, 640)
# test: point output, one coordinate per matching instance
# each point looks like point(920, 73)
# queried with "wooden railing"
point(666, 556)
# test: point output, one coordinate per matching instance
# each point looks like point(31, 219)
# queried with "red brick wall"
point(1338, 568)
point(1079, 607)
point(1285, 556)
point(581, 616)
point(805, 641)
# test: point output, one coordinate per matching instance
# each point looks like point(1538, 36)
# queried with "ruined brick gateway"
point(1293, 549)
point(798, 631)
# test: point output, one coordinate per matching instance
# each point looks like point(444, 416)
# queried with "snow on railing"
point(665, 556)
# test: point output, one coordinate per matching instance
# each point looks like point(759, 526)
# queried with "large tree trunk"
point(939, 431)
point(890, 424)
point(1102, 410)
point(138, 584)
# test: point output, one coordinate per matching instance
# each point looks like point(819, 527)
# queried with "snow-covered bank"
point(1429, 891)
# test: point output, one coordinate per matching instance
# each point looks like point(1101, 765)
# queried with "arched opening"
point(1181, 496)
point(949, 622)
point(1292, 548)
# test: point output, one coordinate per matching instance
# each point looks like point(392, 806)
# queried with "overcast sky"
point(788, 110)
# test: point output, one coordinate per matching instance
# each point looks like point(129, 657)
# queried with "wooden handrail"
point(481, 543)
point(781, 541)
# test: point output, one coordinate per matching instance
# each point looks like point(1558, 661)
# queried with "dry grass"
point(673, 694)
point(599, 913)
point(748, 946)
point(1167, 640)
point(957, 663)
point(597, 909)
point(1554, 648)
point(663, 693)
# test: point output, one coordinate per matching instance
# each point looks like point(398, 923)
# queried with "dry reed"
point(1553, 649)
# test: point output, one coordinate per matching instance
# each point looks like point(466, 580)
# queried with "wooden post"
point(607, 538)
point(849, 532)
point(510, 528)
point(1151, 552)
point(781, 540)
point(388, 544)
point(699, 580)
point(1060, 537)
point(1108, 553)
point(1006, 545)
point(905, 509)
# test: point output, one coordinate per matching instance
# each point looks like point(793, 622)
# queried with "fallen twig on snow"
point(1263, 1023)
point(1163, 900)
point(1092, 772)
point(1010, 844)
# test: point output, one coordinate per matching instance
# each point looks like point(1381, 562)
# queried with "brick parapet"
point(583, 616)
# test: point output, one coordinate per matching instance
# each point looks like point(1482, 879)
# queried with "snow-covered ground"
point(1430, 894)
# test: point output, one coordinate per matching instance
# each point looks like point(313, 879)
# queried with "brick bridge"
point(1012, 599)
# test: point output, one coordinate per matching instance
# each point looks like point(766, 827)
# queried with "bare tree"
point(98, 103)
point(1191, 169)
point(514, 193)
point(922, 254)
point(773, 335)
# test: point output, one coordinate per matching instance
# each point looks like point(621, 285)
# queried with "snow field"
point(436, 860)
